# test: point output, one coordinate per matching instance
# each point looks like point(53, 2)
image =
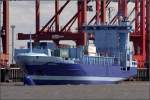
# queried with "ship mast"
point(30, 42)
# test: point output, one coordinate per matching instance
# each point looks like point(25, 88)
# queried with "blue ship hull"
point(53, 73)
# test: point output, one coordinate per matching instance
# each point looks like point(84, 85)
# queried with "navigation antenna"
point(30, 42)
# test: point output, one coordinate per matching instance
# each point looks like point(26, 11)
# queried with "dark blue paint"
point(75, 70)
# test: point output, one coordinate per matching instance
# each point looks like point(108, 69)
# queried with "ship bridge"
point(111, 40)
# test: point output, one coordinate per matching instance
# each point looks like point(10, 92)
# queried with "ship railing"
point(68, 60)
point(102, 60)
point(35, 50)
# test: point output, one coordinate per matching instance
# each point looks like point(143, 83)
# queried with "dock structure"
point(11, 74)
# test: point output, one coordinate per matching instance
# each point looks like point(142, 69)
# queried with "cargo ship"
point(106, 58)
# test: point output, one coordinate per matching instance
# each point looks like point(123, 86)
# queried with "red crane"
point(148, 31)
point(4, 56)
point(140, 35)
point(57, 35)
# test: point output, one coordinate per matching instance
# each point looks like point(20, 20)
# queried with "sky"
point(22, 15)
